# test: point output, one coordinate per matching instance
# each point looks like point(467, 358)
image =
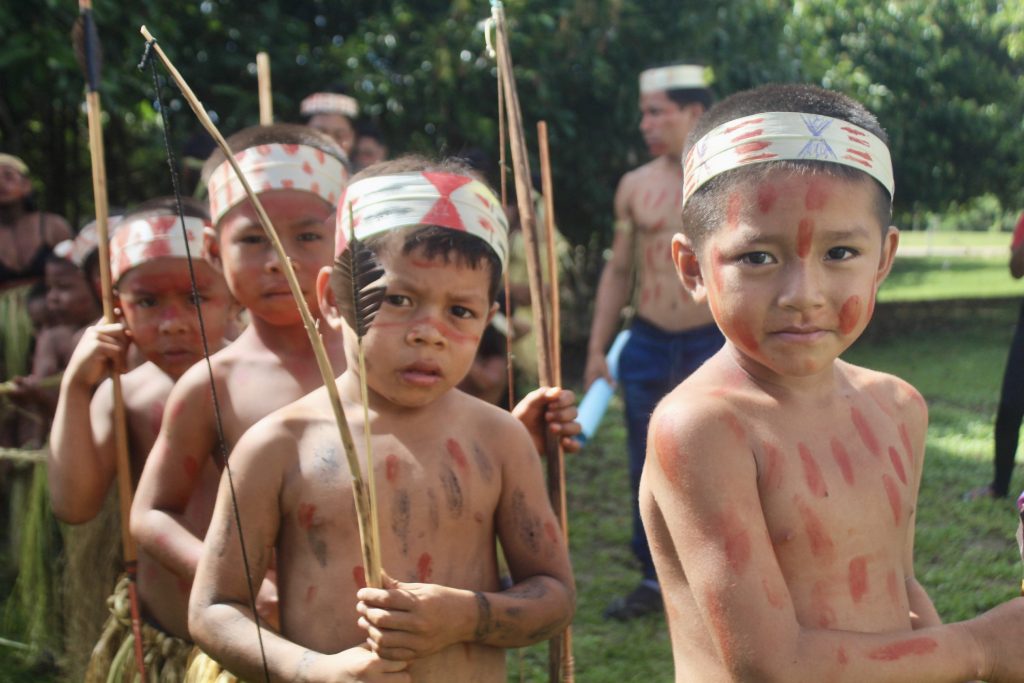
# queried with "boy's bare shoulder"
point(488, 422)
point(890, 392)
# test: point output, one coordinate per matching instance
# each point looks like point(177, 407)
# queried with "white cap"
point(674, 77)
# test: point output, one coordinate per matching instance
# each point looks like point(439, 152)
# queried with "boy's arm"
point(220, 616)
point(553, 409)
point(81, 461)
point(408, 621)
point(186, 441)
point(720, 542)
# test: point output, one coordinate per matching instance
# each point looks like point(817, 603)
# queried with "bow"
point(89, 61)
point(560, 663)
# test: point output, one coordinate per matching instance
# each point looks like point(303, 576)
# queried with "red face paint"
point(905, 438)
point(716, 269)
point(821, 543)
point(774, 599)
point(551, 532)
point(866, 435)
point(812, 473)
point(766, 196)
point(893, 493)
point(359, 575)
point(842, 459)
point(733, 209)
point(771, 477)
point(458, 455)
point(305, 515)
point(424, 567)
point(897, 464)
point(858, 577)
point(745, 337)
point(849, 315)
point(737, 543)
point(391, 468)
point(804, 236)
point(817, 195)
point(904, 648)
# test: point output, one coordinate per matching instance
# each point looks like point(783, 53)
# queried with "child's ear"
point(211, 249)
point(890, 242)
point(325, 298)
point(490, 313)
point(684, 256)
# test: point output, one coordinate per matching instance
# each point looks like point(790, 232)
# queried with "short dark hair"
point(435, 241)
point(278, 133)
point(705, 209)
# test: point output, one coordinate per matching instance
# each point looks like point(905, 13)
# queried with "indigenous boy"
point(299, 175)
point(453, 473)
point(782, 483)
point(150, 270)
point(671, 335)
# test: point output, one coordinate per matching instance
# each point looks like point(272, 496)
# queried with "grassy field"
point(969, 240)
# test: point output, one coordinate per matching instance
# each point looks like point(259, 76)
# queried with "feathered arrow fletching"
point(360, 272)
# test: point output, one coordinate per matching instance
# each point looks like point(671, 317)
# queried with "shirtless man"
point(670, 334)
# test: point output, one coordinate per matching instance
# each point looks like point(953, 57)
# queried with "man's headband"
point(779, 136)
point(276, 167)
point(11, 160)
point(144, 239)
point(676, 77)
point(448, 200)
point(329, 103)
point(81, 246)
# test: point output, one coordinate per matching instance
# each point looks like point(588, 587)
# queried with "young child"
point(299, 175)
point(150, 271)
point(781, 482)
point(453, 473)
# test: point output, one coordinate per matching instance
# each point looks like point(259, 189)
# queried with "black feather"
point(360, 292)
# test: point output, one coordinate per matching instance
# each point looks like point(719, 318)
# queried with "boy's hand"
point(267, 605)
point(359, 665)
point(406, 621)
point(553, 408)
point(101, 346)
point(597, 366)
point(997, 633)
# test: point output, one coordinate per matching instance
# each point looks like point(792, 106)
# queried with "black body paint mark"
point(326, 459)
point(452, 491)
point(483, 463)
point(400, 519)
point(526, 524)
point(319, 547)
point(302, 668)
point(433, 513)
point(483, 619)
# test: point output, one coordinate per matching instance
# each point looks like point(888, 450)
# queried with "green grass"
point(923, 238)
point(935, 277)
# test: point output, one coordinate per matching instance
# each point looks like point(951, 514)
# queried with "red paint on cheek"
point(766, 196)
point(866, 435)
point(391, 468)
point(817, 195)
point(359, 575)
point(821, 543)
point(849, 315)
point(733, 209)
point(904, 648)
point(745, 337)
point(424, 567)
point(893, 493)
point(458, 455)
point(310, 593)
point(842, 459)
point(812, 473)
point(804, 236)
point(455, 335)
point(905, 438)
point(774, 599)
point(551, 532)
point(191, 467)
point(716, 269)
point(897, 464)
point(858, 577)
point(771, 477)
point(305, 515)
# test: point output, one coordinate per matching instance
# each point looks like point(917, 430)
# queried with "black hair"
point(367, 129)
point(278, 133)
point(434, 241)
point(705, 209)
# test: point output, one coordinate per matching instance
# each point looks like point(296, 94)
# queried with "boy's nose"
point(802, 288)
point(425, 331)
point(174, 320)
point(273, 261)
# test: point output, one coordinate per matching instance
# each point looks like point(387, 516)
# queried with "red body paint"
point(716, 269)
point(804, 237)
point(821, 543)
point(914, 646)
point(766, 196)
point(359, 575)
point(826, 616)
point(658, 225)
point(458, 455)
point(817, 195)
point(191, 467)
point(812, 473)
point(893, 492)
point(858, 575)
point(841, 656)
point(735, 427)
point(721, 632)
point(305, 515)
point(866, 435)
point(737, 542)
point(424, 567)
point(666, 450)
point(842, 459)
point(745, 337)
point(391, 468)
point(733, 209)
point(849, 315)
point(897, 464)
point(771, 477)
point(774, 599)
point(905, 438)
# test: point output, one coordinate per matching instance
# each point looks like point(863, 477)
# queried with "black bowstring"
point(221, 441)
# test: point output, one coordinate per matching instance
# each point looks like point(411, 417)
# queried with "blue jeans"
point(652, 364)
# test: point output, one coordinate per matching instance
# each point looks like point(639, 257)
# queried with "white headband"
point(676, 77)
point(276, 167)
point(145, 239)
point(403, 200)
point(778, 136)
point(329, 103)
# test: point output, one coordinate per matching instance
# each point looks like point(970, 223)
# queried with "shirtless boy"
point(780, 490)
point(671, 335)
point(453, 473)
point(299, 175)
point(150, 270)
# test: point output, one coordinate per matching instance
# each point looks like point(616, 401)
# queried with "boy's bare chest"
point(254, 389)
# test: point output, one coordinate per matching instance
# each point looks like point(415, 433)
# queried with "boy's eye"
point(841, 253)
point(397, 299)
point(463, 312)
point(145, 302)
point(252, 238)
point(309, 237)
point(757, 258)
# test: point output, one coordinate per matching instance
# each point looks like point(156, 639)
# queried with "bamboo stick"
point(263, 82)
